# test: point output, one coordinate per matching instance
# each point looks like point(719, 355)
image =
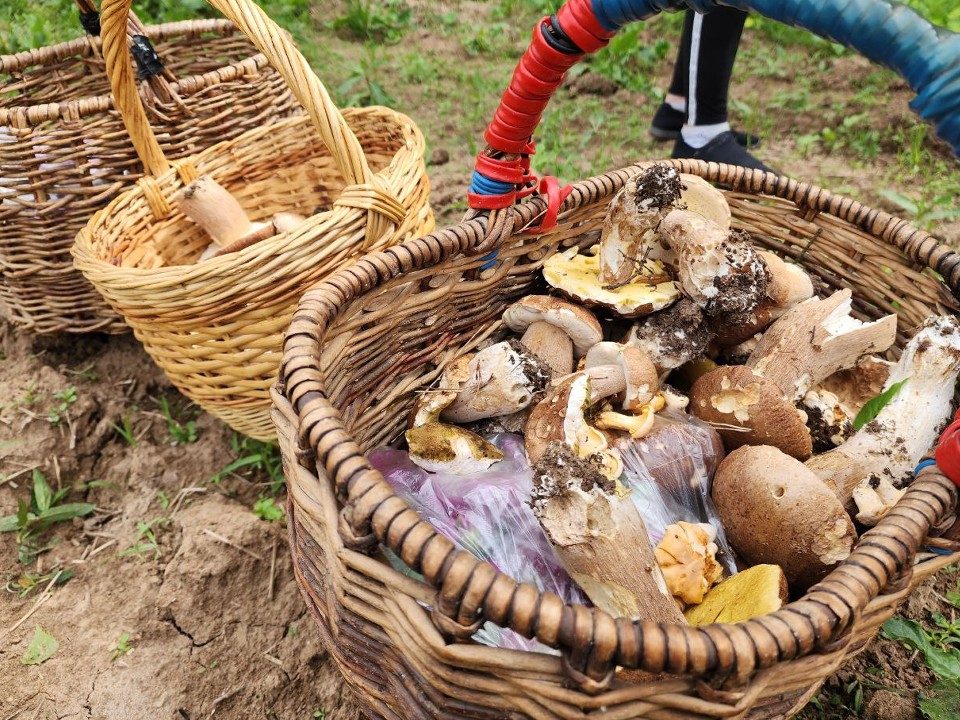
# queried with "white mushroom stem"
point(211, 206)
point(605, 381)
point(637, 425)
point(874, 498)
point(551, 344)
point(894, 442)
point(601, 541)
point(814, 339)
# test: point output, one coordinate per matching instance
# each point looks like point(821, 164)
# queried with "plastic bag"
point(488, 515)
point(670, 473)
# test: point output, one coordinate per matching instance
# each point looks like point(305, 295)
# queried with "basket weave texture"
point(216, 327)
point(65, 154)
point(364, 344)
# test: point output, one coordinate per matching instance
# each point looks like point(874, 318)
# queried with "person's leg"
point(706, 135)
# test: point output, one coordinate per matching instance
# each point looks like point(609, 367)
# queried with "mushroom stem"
point(891, 445)
point(551, 344)
point(211, 206)
point(637, 425)
point(605, 380)
point(815, 339)
point(600, 539)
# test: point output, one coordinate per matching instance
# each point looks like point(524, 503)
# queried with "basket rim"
point(592, 642)
point(89, 261)
point(22, 116)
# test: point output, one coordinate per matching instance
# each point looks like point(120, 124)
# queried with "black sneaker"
point(667, 123)
point(724, 148)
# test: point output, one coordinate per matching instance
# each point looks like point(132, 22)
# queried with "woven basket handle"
point(365, 190)
point(881, 30)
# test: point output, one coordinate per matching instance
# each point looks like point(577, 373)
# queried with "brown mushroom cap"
point(774, 510)
point(555, 417)
point(734, 395)
point(641, 379)
point(789, 283)
point(578, 323)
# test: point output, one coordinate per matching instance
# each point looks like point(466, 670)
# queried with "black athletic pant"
point(708, 48)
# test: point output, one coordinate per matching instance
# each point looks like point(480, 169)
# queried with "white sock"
point(696, 136)
point(677, 102)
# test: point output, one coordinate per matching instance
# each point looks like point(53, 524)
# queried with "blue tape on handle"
point(482, 185)
point(923, 464)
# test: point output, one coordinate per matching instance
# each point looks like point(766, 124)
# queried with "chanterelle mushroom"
point(631, 223)
point(889, 447)
point(687, 555)
point(502, 379)
point(755, 404)
point(599, 537)
point(555, 331)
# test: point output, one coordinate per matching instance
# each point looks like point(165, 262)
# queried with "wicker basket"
point(216, 327)
point(64, 152)
point(364, 343)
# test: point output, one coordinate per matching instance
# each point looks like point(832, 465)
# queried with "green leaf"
point(42, 495)
point(941, 701)
point(944, 664)
point(66, 512)
point(41, 648)
point(265, 509)
point(23, 513)
point(9, 523)
point(873, 407)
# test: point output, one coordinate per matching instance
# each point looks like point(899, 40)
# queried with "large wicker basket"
point(216, 327)
point(64, 152)
point(363, 345)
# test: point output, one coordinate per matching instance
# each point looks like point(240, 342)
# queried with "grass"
point(254, 457)
point(181, 429)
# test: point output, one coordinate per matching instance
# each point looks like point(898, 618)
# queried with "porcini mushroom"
point(555, 331)
point(673, 336)
point(776, 511)
point(755, 404)
point(599, 537)
point(502, 379)
point(718, 269)
point(616, 369)
point(216, 210)
point(434, 401)
point(438, 447)
point(702, 198)
point(890, 446)
point(631, 223)
point(577, 276)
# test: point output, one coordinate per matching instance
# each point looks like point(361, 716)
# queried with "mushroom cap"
point(774, 510)
point(734, 395)
point(559, 416)
point(577, 322)
point(687, 557)
point(433, 401)
point(673, 336)
point(577, 276)
point(699, 196)
point(641, 379)
point(750, 593)
point(789, 283)
point(438, 447)
point(728, 334)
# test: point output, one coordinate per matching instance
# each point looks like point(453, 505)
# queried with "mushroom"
point(671, 337)
point(501, 379)
point(599, 537)
point(754, 404)
point(874, 497)
point(555, 331)
point(432, 402)
point(438, 447)
point(687, 556)
point(217, 211)
point(561, 417)
point(702, 198)
point(631, 223)
point(854, 386)
point(890, 446)
point(830, 423)
point(718, 269)
point(775, 510)
point(577, 276)
point(616, 369)
point(753, 592)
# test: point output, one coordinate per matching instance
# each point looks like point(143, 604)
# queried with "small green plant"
point(265, 509)
point(121, 647)
point(385, 21)
point(361, 88)
point(63, 399)
point(320, 714)
point(125, 429)
point(28, 582)
point(629, 60)
point(180, 433)
point(939, 648)
point(42, 647)
point(35, 516)
point(30, 394)
point(163, 500)
point(85, 373)
point(257, 456)
point(205, 668)
point(145, 542)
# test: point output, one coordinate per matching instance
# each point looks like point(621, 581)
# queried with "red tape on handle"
point(947, 454)
point(550, 187)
